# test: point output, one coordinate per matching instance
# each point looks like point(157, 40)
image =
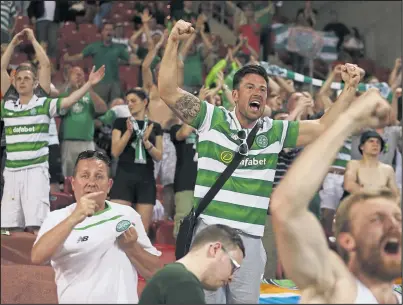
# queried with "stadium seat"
point(60, 200)
point(21, 23)
point(87, 30)
point(164, 233)
point(18, 58)
point(67, 186)
point(129, 76)
point(67, 28)
point(168, 253)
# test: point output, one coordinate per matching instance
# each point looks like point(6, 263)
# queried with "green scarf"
point(138, 146)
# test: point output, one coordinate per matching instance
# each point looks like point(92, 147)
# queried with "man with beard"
point(368, 223)
point(243, 200)
point(216, 254)
point(369, 173)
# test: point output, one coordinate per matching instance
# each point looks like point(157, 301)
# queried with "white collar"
point(236, 121)
point(33, 98)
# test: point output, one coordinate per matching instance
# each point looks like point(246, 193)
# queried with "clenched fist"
point(369, 110)
point(86, 206)
point(181, 30)
point(351, 74)
point(128, 238)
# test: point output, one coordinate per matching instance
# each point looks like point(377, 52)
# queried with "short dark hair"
point(228, 236)
point(94, 154)
point(105, 23)
point(249, 69)
point(140, 93)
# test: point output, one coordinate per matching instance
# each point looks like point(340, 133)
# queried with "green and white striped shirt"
point(27, 131)
point(243, 201)
point(8, 11)
point(343, 156)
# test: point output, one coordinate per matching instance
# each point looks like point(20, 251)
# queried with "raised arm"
point(5, 60)
point(393, 75)
point(94, 78)
point(301, 242)
point(44, 72)
point(185, 105)
point(310, 130)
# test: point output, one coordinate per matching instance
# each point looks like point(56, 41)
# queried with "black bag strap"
point(204, 202)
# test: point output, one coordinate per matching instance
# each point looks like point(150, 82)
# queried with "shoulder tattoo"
point(188, 106)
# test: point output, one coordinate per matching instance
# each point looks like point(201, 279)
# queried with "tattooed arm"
point(185, 105)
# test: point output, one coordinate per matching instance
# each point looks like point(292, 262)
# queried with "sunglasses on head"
point(89, 154)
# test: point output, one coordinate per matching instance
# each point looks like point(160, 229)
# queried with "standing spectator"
point(94, 240)
point(22, 7)
point(8, 15)
point(77, 129)
point(184, 138)
point(250, 30)
point(137, 142)
point(43, 89)
point(25, 201)
point(369, 173)
point(107, 53)
point(340, 29)
point(47, 15)
point(104, 8)
point(216, 254)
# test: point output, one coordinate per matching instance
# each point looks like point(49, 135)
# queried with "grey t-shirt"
point(392, 137)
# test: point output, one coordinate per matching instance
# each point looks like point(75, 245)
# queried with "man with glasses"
point(95, 246)
point(215, 256)
point(243, 201)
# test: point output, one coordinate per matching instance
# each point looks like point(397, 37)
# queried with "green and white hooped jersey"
point(243, 201)
point(343, 156)
point(27, 131)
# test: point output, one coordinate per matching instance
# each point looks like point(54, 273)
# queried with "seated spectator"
point(94, 240)
point(77, 128)
point(215, 255)
point(136, 141)
point(106, 52)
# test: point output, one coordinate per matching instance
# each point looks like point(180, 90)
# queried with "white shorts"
point(25, 201)
point(165, 168)
point(331, 192)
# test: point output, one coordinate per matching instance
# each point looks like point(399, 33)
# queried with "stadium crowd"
point(93, 125)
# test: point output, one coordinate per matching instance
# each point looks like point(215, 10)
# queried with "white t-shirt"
point(90, 267)
point(49, 14)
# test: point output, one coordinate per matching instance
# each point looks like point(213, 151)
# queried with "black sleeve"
point(120, 124)
point(173, 131)
point(187, 293)
point(157, 129)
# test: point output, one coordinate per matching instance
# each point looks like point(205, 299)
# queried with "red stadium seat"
point(67, 28)
point(21, 23)
point(129, 76)
point(87, 30)
point(67, 186)
point(18, 58)
point(168, 253)
point(164, 233)
point(60, 200)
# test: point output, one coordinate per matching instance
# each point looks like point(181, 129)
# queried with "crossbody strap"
point(204, 202)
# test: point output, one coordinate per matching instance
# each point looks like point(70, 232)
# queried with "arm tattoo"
point(188, 106)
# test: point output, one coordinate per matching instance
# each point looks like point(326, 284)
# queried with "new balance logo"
point(82, 238)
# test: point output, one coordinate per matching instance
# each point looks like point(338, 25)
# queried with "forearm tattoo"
point(188, 106)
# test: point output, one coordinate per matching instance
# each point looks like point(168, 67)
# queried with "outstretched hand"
point(96, 76)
